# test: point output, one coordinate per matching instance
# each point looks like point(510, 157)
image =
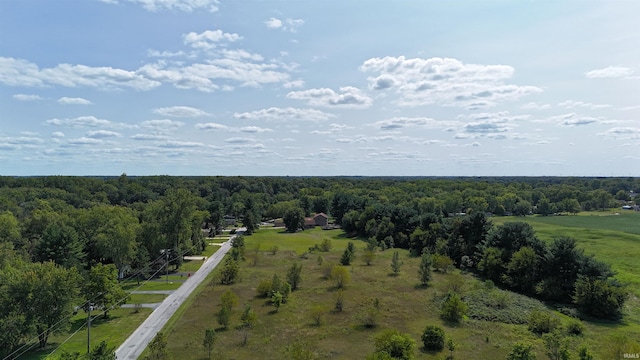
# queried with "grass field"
point(121, 323)
point(403, 305)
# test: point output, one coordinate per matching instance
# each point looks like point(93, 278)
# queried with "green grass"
point(404, 305)
point(121, 323)
point(157, 284)
point(145, 298)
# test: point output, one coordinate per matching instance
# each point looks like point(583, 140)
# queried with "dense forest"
point(65, 241)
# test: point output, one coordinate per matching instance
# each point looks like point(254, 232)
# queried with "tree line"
point(68, 226)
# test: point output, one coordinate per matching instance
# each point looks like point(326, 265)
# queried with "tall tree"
point(209, 340)
point(293, 219)
point(60, 243)
point(424, 270)
point(102, 288)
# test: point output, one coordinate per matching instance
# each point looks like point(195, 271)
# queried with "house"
point(321, 219)
point(309, 223)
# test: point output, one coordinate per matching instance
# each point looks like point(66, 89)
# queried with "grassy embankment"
point(121, 322)
point(404, 305)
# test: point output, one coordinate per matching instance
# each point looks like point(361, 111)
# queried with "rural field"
point(308, 322)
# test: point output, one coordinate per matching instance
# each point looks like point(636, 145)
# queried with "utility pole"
point(89, 329)
point(166, 251)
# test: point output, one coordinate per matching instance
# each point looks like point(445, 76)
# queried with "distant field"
point(404, 305)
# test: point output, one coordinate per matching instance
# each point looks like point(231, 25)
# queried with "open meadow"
point(308, 322)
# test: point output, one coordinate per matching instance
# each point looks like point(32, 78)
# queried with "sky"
point(320, 88)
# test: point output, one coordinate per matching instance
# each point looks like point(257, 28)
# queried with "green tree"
point(276, 300)
point(522, 272)
point(60, 244)
point(348, 254)
point(490, 264)
point(102, 288)
point(453, 308)
point(209, 340)
point(158, 348)
point(522, 351)
point(228, 299)
point(116, 238)
point(424, 270)
point(249, 317)
point(368, 256)
point(598, 297)
point(40, 296)
point(293, 219)
point(442, 263)
point(451, 346)
point(341, 276)
point(395, 344)
point(433, 338)
point(9, 228)
point(584, 353)
point(229, 273)
point(556, 345)
point(396, 263)
point(294, 275)
point(102, 351)
point(224, 316)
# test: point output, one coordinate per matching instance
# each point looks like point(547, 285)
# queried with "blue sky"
point(206, 87)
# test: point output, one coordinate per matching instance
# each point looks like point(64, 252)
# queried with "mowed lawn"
point(403, 305)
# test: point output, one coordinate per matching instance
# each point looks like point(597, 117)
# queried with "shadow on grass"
point(421, 286)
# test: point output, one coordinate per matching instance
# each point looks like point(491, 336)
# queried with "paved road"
point(142, 336)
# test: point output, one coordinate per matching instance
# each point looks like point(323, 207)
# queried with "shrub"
point(542, 322)
point(575, 327)
point(274, 250)
point(433, 338)
point(453, 308)
point(326, 245)
point(522, 351)
point(395, 344)
point(442, 263)
point(341, 276)
point(264, 288)
point(317, 314)
point(338, 300)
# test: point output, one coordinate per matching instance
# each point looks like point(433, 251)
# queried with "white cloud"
point(401, 122)
point(199, 76)
point(57, 134)
point(294, 84)
point(284, 114)
point(84, 141)
point(239, 54)
point(240, 140)
point(164, 54)
point(180, 111)
point(180, 144)
point(82, 121)
point(572, 119)
point(209, 39)
point(211, 126)
point(490, 125)
point(73, 101)
point(569, 104)
point(535, 106)
point(98, 134)
point(18, 72)
point(21, 140)
point(444, 81)
point(347, 97)
point(609, 72)
point(274, 23)
point(26, 97)
point(622, 133)
point(288, 24)
point(253, 129)
point(162, 125)
point(145, 137)
point(182, 5)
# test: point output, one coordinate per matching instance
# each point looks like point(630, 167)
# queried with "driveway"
point(142, 336)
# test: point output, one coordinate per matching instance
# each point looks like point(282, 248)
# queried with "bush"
point(395, 344)
point(433, 338)
point(326, 245)
point(442, 263)
point(341, 276)
point(453, 308)
point(575, 327)
point(522, 351)
point(542, 322)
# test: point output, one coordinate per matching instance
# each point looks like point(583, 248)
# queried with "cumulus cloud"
point(490, 125)
point(253, 129)
point(572, 119)
point(211, 126)
point(162, 125)
point(57, 134)
point(73, 101)
point(82, 121)
point(209, 39)
point(180, 111)
point(21, 140)
point(570, 104)
point(535, 106)
point(622, 133)
point(182, 5)
point(347, 97)
point(26, 97)
point(288, 24)
point(84, 141)
point(401, 122)
point(19, 72)
point(444, 81)
point(146, 137)
point(201, 76)
point(98, 134)
point(609, 72)
point(180, 144)
point(284, 114)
